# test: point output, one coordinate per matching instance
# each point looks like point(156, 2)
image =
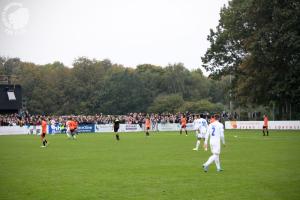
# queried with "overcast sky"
point(128, 32)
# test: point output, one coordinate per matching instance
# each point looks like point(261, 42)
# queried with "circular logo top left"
point(15, 17)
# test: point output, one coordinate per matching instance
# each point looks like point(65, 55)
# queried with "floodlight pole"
point(230, 95)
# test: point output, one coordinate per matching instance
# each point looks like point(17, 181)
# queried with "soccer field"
point(162, 166)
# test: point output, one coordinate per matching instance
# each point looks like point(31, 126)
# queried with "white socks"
point(197, 144)
point(217, 161)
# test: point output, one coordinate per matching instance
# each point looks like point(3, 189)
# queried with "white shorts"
point(203, 131)
point(200, 135)
point(215, 148)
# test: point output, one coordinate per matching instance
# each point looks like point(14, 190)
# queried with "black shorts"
point(265, 126)
point(43, 135)
point(183, 126)
point(147, 128)
point(72, 131)
point(116, 129)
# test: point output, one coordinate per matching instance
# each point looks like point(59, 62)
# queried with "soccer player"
point(183, 125)
point(44, 131)
point(53, 127)
point(215, 134)
point(147, 125)
point(265, 126)
point(76, 127)
point(196, 124)
point(116, 126)
point(200, 125)
point(72, 129)
point(68, 124)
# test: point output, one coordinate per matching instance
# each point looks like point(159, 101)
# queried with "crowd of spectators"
point(25, 118)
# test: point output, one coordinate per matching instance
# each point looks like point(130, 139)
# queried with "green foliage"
point(258, 43)
point(202, 106)
point(94, 86)
point(166, 103)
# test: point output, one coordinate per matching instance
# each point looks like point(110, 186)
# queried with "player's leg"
point(267, 131)
point(43, 140)
point(117, 134)
point(263, 130)
point(210, 160)
point(198, 144)
point(68, 132)
point(201, 136)
point(186, 133)
point(217, 161)
point(198, 140)
point(180, 131)
point(216, 150)
point(72, 134)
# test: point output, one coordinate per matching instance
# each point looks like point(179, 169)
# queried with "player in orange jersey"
point(44, 132)
point(265, 126)
point(76, 127)
point(73, 126)
point(147, 125)
point(183, 125)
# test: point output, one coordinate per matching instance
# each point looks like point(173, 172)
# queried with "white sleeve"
point(222, 133)
point(207, 135)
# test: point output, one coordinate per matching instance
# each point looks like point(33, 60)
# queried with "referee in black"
point(116, 127)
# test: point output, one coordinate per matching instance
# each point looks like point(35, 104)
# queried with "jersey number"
point(213, 133)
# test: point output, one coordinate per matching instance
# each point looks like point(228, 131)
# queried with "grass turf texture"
point(163, 166)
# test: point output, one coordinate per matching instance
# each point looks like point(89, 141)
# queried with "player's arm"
point(222, 134)
point(207, 137)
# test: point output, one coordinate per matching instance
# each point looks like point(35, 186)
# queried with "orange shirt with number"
point(183, 121)
point(147, 123)
point(266, 121)
point(44, 126)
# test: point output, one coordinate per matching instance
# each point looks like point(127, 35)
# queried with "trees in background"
point(254, 59)
point(257, 43)
point(99, 86)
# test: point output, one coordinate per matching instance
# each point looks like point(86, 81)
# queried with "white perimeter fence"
point(106, 128)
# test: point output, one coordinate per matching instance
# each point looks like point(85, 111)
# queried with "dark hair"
point(201, 115)
point(217, 117)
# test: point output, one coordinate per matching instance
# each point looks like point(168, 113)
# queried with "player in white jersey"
point(215, 133)
point(200, 126)
point(52, 121)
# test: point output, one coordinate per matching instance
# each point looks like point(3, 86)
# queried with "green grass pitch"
point(163, 166)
